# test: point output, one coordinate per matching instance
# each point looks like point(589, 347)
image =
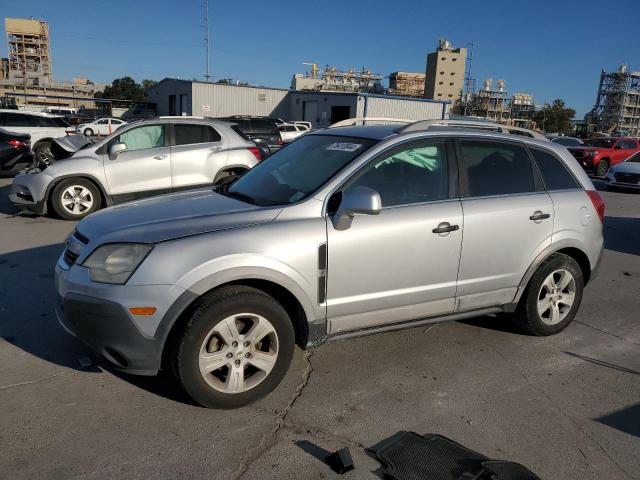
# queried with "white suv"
point(42, 127)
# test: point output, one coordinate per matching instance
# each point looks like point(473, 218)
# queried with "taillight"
point(597, 202)
point(18, 144)
point(279, 140)
point(256, 152)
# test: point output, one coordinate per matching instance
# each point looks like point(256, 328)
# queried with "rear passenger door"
point(197, 154)
point(508, 220)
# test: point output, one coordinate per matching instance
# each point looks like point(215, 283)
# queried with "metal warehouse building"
point(186, 97)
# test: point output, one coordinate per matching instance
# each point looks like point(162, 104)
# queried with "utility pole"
point(206, 38)
point(468, 79)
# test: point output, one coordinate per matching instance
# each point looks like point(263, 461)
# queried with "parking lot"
point(567, 406)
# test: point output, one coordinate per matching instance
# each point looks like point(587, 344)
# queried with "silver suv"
point(346, 231)
point(145, 158)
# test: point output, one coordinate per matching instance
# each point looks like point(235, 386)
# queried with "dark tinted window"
point(567, 141)
point(239, 131)
point(19, 120)
point(263, 125)
point(494, 168)
point(599, 142)
point(187, 134)
point(52, 122)
point(554, 173)
point(415, 175)
point(635, 158)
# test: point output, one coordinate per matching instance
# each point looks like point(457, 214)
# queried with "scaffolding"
point(407, 84)
point(28, 50)
point(523, 109)
point(489, 102)
point(617, 108)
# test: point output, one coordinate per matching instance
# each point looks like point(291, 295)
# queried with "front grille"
point(70, 257)
point(627, 177)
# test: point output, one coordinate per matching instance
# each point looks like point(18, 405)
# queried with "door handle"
point(538, 216)
point(215, 149)
point(445, 227)
point(160, 157)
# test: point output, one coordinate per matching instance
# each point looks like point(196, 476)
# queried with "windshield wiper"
point(240, 196)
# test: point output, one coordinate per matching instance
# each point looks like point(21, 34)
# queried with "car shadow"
point(626, 420)
point(622, 234)
point(28, 320)
point(500, 322)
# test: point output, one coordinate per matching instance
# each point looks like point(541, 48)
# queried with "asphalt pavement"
point(567, 406)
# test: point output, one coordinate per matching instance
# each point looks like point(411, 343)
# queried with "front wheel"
point(88, 132)
point(42, 152)
point(75, 198)
point(552, 297)
point(602, 168)
point(236, 347)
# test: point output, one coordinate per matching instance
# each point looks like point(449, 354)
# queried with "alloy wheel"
point(556, 296)
point(76, 199)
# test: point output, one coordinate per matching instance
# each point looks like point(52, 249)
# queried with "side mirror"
point(356, 201)
point(117, 148)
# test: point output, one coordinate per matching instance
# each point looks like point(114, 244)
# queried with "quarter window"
point(495, 168)
point(189, 134)
point(141, 138)
point(413, 175)
point(554, 173)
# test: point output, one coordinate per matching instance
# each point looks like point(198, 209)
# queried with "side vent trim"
point(322, 273)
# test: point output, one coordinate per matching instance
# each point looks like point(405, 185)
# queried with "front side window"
point(599, 143)
point(298, 170)
point(554, 174)
point(141, 138)
point(495, 168)
point(102, 122)
point(19, 120)
point(188, 134)
point(416, 174)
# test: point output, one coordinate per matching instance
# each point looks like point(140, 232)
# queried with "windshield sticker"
point(344, 147)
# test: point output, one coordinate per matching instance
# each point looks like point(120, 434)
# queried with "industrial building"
point(617, 108)
point(522, 109)
point(490, 102)
point(331, 79)
point(192, 97)
point(445, 72)
point(407, 84)
point(26, 74)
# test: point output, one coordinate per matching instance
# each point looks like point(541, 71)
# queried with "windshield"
point(298, 170)
point(600, 142)
point(634, 158)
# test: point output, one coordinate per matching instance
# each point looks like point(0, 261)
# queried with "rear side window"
point(239, 131)
point(263, 125)
point(19, 120)
point(554, 173)
point(495, 168)
point(189, 134)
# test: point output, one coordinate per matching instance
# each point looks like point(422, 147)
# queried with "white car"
point(42, 127)
point(60, 110)
point(102, 126)
point(290, 131)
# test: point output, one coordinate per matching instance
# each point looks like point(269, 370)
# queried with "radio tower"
point(206, 37)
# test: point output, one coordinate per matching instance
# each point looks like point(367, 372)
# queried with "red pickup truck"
point(598, 154)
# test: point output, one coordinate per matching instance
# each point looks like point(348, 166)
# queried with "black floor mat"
point(502, 470)
point(409, 456)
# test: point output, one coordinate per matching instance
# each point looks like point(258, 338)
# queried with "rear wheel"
point(552, 297)
point(602, 168)
point(235, 348)
point(75, 198)
point(88, 132)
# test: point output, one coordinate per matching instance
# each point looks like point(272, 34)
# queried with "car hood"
point(172, 216)
point(72, 143)
point(627, 167)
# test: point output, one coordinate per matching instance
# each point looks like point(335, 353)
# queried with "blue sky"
point(552, 49)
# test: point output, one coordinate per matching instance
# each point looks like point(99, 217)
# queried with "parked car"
point(147, 158)
point(99, 126)
point(598, 154)
point(625, 174)
point(567, 141)
point(345, 232)
point(290, 131)
point(62, 111)
point(42, 127)
point(477, 124)
point(15, 152)
point(261, 130)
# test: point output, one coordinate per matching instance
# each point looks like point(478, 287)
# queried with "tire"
point(539, 293)
point(223, 177)
point(42, 151)
point(602, 168)
point(238, 374)
point(88, 132)
point(75, 198)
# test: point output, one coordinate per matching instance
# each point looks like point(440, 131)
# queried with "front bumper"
point(28, 190)
point(98, 315)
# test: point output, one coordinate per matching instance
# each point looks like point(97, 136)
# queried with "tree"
point(147, 84)
point(555, 118)
point(125, 88)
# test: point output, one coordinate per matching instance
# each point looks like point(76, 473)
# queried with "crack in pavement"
point(31, 382)
point(263, 445)
point(606, 333)
point(559, 410)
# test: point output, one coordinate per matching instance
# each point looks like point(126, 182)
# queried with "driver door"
point(144, 168)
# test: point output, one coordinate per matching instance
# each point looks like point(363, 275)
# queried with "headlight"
point(116, 262)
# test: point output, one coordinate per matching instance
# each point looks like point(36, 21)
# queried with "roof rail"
point(349, 122)
point(426, 124)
